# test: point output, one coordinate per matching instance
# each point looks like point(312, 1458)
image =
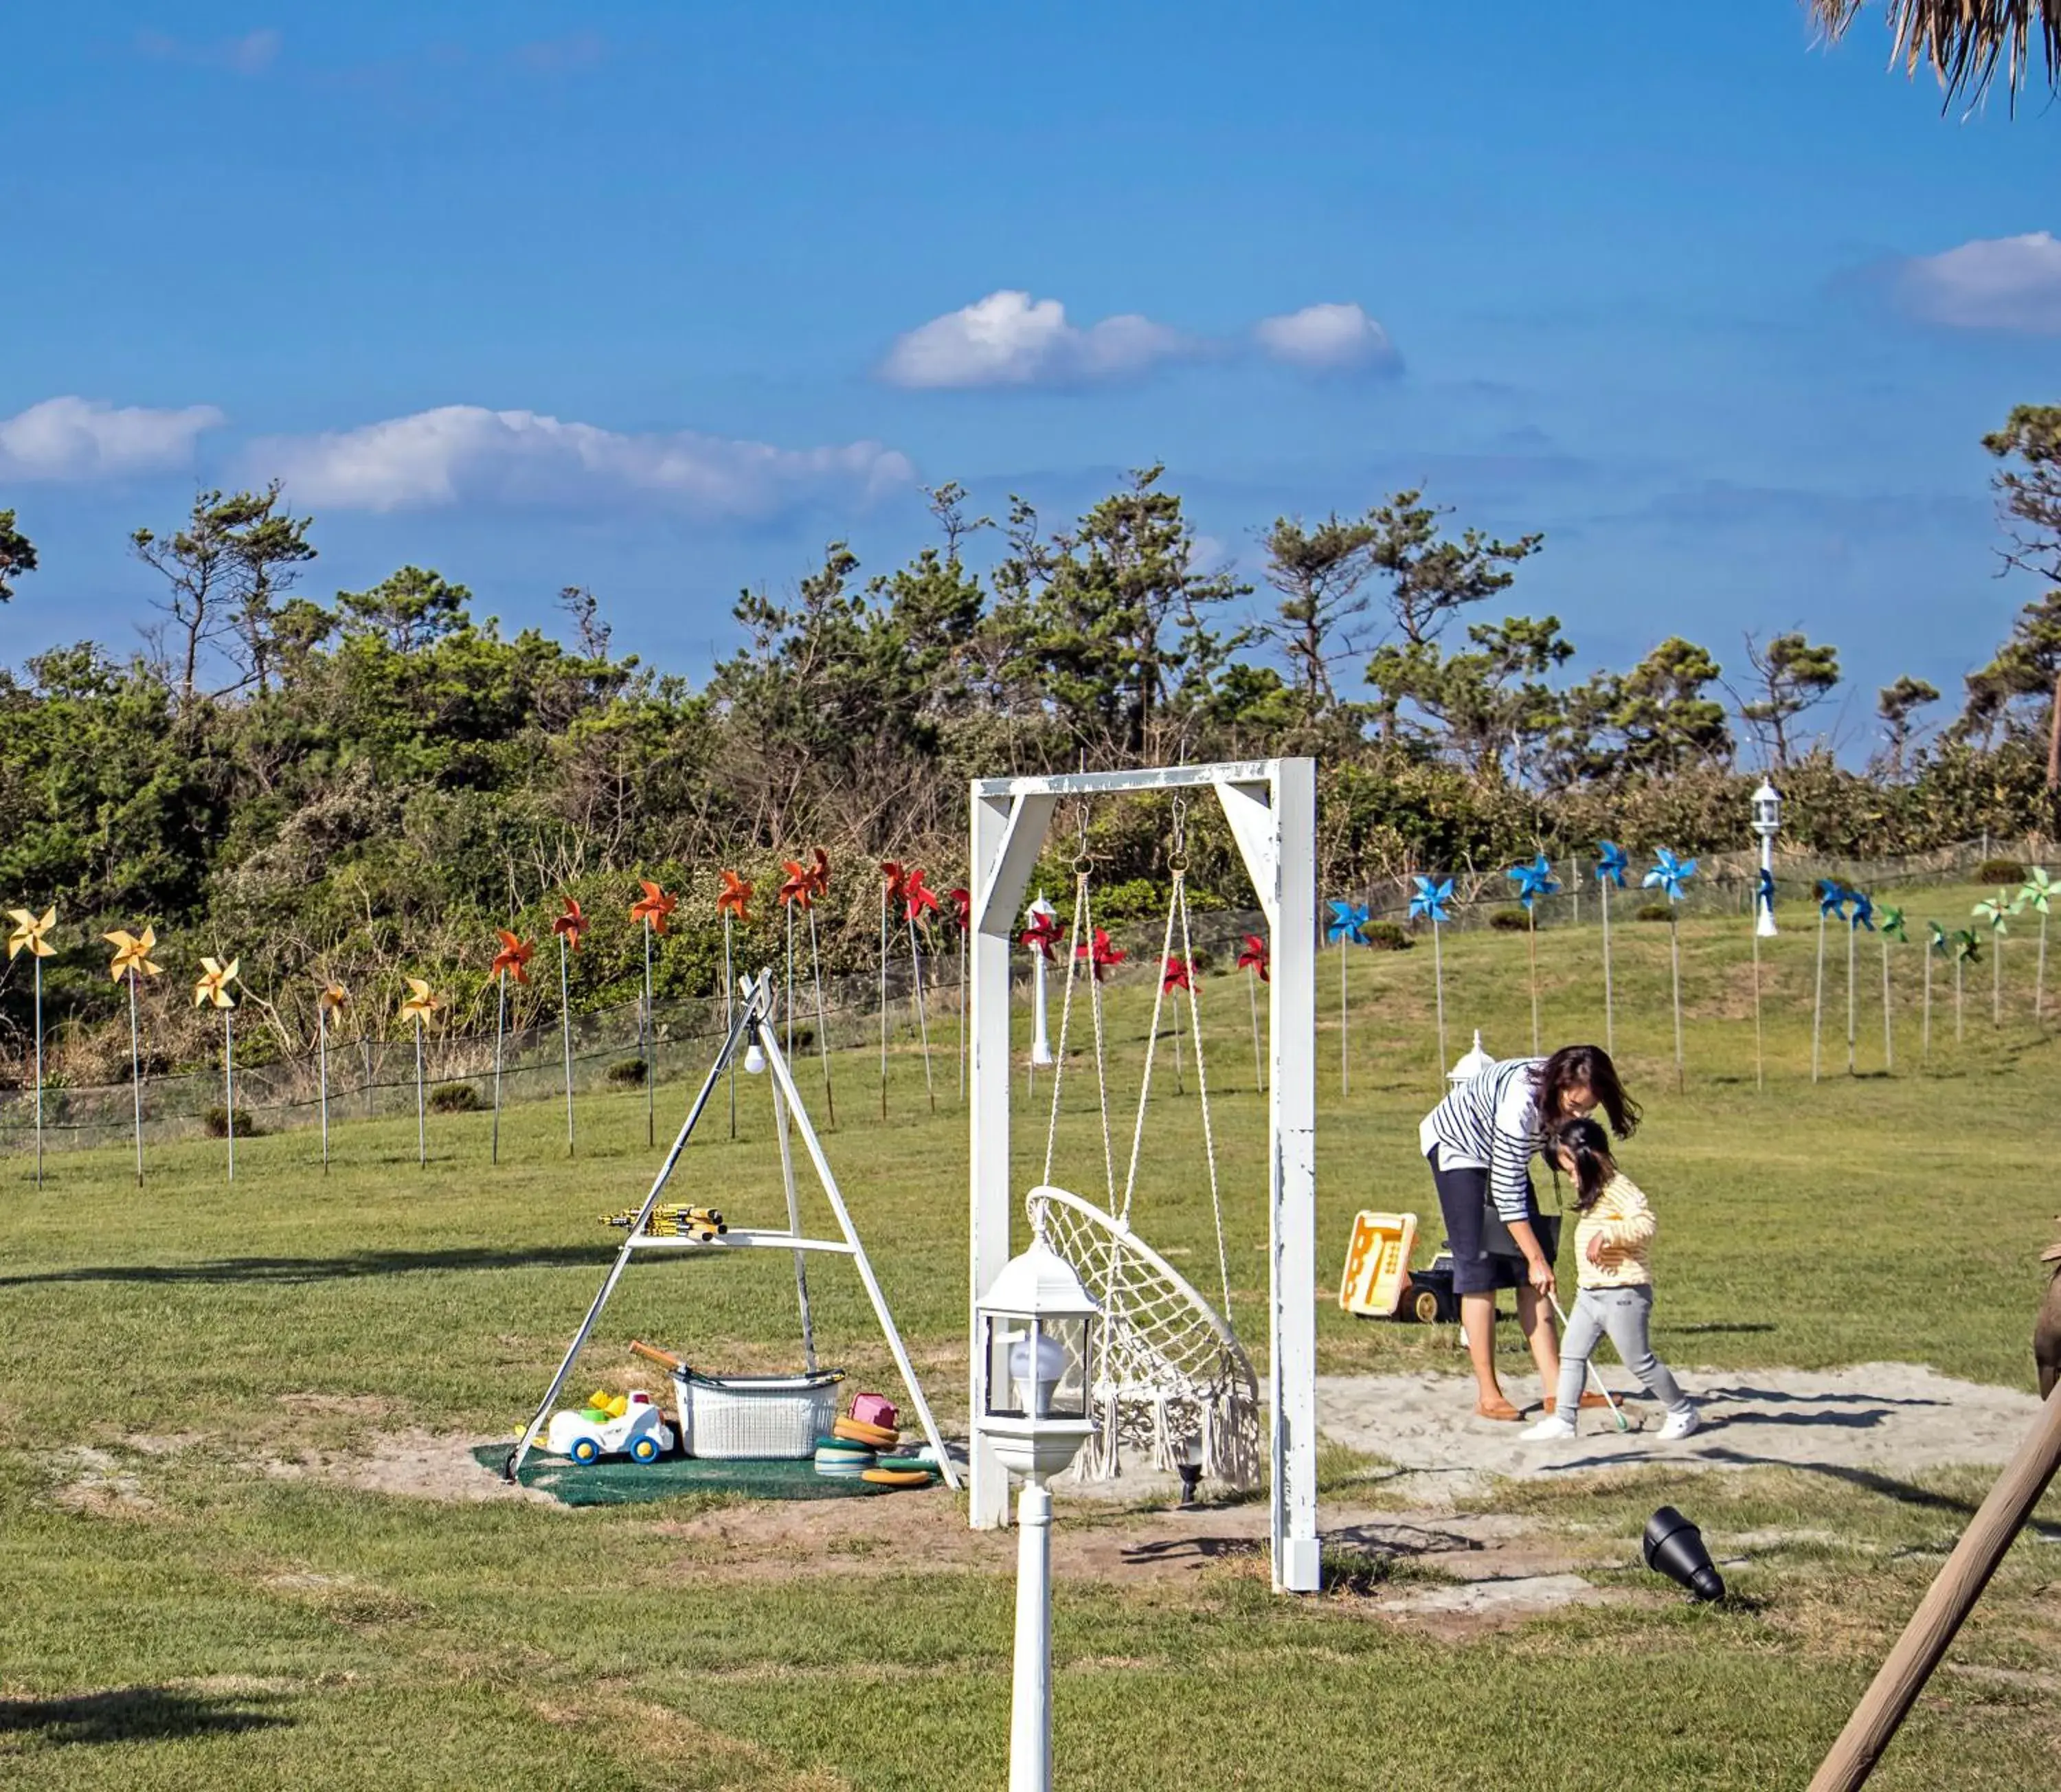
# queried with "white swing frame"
point(1270, 805)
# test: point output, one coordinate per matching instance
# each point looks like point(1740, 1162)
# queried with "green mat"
point(620, 1482)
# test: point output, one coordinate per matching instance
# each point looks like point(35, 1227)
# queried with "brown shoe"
point(1497, 1409)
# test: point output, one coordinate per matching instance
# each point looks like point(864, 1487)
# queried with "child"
point(1611, 1237)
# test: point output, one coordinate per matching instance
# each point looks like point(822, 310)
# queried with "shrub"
point(1510, 920)
point(2000, 870)
point(216, 1120)
point(1654, 912)
point(627, 1074)
point(1387, 937)
point(455, 1098)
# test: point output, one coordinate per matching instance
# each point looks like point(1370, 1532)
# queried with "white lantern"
point(1768, 824)
point(1037, 1327)
point(1767, 811)
point(1471, 1065)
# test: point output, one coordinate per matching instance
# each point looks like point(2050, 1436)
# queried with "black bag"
point(1496, 1239)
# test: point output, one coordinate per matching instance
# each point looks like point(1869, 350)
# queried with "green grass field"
point(184, 1610)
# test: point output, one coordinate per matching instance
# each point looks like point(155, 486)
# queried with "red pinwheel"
point(736, 892)
point(897, 879)
point(961, 906)
point(1101, 955)
point(1042, 934)
point(1253, 957)
point(571, 925)
point(799, 886)
point(919, 901)
point(1174, 974)
point(654, 906)
point(514, 955)
point(820, 872)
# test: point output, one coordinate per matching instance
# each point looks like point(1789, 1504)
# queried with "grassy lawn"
point(186, 1612)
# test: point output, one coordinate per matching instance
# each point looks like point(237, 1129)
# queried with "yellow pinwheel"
point(420, 1004)
point(213, 988)
point(132, 953)
point(29, 932)
point(332, 999)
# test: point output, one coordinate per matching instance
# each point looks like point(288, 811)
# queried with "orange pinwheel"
point(514, 955)
point(29, 931)
point(735, 893)
point(799, 886)
point(654, 907)
point(571, 925)
point(214, 985)
point(919, 901)
point(420, 1004)
point(132, 953)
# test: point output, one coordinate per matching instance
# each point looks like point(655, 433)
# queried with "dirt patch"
point(1872, 1422)
point(416, 1464)
point(96, 1482)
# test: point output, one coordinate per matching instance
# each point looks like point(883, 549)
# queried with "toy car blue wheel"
point(584, 1449)
point(645, 1450)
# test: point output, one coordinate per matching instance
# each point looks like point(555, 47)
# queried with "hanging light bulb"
point(755, 1059)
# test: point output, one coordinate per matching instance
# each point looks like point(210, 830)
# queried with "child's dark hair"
point(1589, 1145)
point(1589, 1064)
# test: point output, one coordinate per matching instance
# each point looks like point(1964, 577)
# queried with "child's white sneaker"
point(1681, 1424)
point(1552, 1430)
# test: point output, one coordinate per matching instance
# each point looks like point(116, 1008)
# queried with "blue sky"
point(659, 298)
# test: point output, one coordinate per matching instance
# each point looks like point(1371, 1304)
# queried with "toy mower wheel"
point(1424, 1306)
point(645, 1450)
point(585, 1449)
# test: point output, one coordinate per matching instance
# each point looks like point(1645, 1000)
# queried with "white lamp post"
point(1035, 1326)
point(1041, 914)
point(1767, 823)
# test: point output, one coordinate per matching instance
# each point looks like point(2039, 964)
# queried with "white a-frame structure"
point(1271, 806)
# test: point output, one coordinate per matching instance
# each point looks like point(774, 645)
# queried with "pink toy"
point(873, 1408)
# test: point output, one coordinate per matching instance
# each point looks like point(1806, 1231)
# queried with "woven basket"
point(758, 1417)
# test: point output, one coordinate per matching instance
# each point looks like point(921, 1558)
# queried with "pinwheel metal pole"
point(922, 1018)
point(1532, 943)
point(1345, 1079)
point(2037, 896)
point(1674, 961)
point(650, 1052)
point(1826, 900)
point(136, 1076)
point(228, 1082)
point(1610, 994)
point(500, 1027)
point(883, 1001)
point(321, 1073)
point(787, 991)
point(729, 1014)
point(823, 1026)
point(1759, 1038)
point(1258, 1059)
point(1888, 1022)
point(39, 1071)
point(565, 1031)
point(1853, 937)
point(1438, 986)
point(422, 1122)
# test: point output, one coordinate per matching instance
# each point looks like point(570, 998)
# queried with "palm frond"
point(1964, 41)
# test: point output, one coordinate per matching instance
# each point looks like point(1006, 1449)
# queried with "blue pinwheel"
point(1763, 892)
point(1611, 862)
point(1348, 926)
point(1832, 897)
point(1347, 922)
point(1669, 874)
point(1863, 914)
point(1533, 880)
point(1429, 903)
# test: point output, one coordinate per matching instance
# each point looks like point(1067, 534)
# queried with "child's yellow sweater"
point(1624, 1222)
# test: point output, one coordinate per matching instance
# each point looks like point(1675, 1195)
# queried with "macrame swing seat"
point(1170, 1376)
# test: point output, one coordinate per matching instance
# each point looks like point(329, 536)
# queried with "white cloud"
point(252, 53)
point(1009, 339)
point(85, 438)
point(1326, 339)
point(465, 454)
point(2007, 283)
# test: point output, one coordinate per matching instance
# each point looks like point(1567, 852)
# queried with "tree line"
point(348, 789)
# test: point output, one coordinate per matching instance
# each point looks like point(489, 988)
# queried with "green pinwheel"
point(1937, 945)
point(1994, 913)
point(2036, 895)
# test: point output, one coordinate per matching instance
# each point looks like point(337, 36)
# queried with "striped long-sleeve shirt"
point(1491, 1122)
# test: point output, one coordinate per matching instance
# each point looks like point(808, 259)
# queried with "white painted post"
point(1031, 1704)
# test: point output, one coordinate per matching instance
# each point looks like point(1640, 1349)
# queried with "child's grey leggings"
point(1625, 1313)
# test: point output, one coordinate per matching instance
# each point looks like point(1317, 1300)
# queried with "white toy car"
point(641, 1433)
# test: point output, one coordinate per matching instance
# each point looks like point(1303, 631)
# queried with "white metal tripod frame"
point(751, 1021)
point(1270, 805)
